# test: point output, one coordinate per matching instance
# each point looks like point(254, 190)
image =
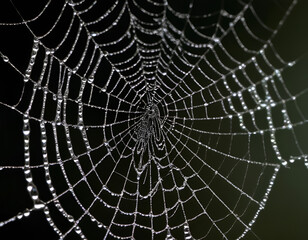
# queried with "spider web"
point(149, 119)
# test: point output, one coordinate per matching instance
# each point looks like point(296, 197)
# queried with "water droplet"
point(215, 39)
point(91, 79)
point(70, 218)
point(224, 13)
point(39, 205)
point(78, 230)
point(34, 192)
point(19, 215)
point(5, 58)
point(46, 210)
point(26, 212)
point(26, 130)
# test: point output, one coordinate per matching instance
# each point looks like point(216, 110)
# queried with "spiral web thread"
point(158, 121)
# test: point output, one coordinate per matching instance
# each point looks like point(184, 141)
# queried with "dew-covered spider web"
point(148, 119)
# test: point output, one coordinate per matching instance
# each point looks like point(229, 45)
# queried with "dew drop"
point(39, 205)
point(26, 212)
point(19, 216)
point(216, 40)
point(224, 13)
point(5, 58)
point(70, 218)
point(91, 79)
point(26, 131)
point(78, 230)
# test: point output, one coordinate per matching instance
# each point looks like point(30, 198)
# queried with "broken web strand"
point(186, 227)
